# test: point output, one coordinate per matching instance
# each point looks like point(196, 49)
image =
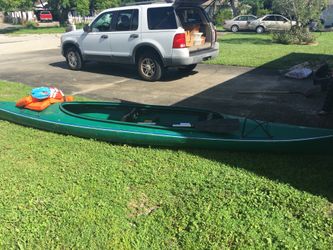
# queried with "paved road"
point(36, 60)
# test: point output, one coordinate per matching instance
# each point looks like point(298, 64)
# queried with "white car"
point(271, 22)
point(154, 36)
point(239, 23)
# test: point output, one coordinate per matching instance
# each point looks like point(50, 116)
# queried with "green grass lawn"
point(63, 192)
point(26, 31)
point(46, 30)
point(254, 50)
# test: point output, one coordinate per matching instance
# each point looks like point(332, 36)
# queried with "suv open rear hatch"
point(199, 31)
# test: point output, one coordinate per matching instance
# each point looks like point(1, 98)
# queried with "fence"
point(80, 19)
point(19, 17)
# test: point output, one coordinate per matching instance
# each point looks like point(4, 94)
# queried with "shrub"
point(31, 25)
point(297, 35)
point(283, 37)
point(223, 15)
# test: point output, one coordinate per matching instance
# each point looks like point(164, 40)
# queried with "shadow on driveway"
point(292, 108)
point(128, 71)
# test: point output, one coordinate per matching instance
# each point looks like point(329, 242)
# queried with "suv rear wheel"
point(73, 59)
point(150, 67)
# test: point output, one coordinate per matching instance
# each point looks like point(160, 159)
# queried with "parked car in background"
point(239, 23)
point(45, 16)
point(271, 22)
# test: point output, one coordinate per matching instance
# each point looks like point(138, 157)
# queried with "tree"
point(303, 12)
point(235, 7)
point(11, 5)
point(61, 8)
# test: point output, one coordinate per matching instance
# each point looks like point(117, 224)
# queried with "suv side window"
point(127, 20)
point(103, 23)
point(161, 18)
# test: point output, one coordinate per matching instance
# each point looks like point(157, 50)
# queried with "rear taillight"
point(179, 41)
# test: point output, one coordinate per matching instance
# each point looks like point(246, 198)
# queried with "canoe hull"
point(62, 123)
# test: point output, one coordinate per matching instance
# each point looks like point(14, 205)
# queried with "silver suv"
point(153, 36)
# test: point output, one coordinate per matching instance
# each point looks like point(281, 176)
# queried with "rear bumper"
point(183, 57)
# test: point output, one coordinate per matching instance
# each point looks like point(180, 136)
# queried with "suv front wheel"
point(150, 67)
point(73, 59)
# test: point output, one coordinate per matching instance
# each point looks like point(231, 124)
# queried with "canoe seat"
point(131, 116)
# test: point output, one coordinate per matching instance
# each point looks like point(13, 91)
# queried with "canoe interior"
point(155, 116)
point(167, 117)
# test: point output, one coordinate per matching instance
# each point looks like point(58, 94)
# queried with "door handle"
point(104, 36)
point(134, 36)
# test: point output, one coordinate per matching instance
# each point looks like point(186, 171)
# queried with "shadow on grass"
point(309, 173)
point(296, 58)
point(9, 30)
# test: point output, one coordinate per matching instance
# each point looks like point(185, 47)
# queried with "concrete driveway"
point(36, 61)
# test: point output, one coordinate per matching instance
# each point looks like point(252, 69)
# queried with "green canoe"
point(169, 126)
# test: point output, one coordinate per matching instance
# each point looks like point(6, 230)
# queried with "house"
point(327, 15)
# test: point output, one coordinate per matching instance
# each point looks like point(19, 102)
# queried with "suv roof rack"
point(142, 3)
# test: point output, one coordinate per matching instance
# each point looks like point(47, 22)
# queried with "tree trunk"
point(63, 18)
point(92, 7)
point(235, 7)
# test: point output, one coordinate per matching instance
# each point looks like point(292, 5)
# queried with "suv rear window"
point(161, 18)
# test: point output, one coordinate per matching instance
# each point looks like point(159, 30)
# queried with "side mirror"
point(86, 28)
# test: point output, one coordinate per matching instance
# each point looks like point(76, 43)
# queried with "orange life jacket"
point(32, 103)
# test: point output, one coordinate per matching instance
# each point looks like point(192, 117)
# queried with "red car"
point(45, 16)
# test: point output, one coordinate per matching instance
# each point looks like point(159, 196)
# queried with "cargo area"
point(197, 28)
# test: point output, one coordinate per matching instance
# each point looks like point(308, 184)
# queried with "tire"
point(150, 67)
point(234, 28)
point(260, 29)
point(74, 59)
point(187, 68)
